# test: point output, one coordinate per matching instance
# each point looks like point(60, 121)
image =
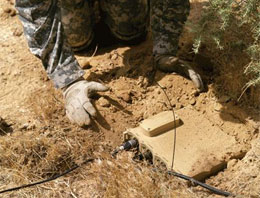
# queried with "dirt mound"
point(43, 143)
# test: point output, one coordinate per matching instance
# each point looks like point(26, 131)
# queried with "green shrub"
point(232, 26)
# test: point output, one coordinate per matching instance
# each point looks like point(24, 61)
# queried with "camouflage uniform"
point(56, 28)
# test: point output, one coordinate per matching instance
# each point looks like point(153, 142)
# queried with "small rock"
point(7, 10)
point(24, 126)
point(27, 126)
point(126, 97)
point(192, 101)
point(114, 56)
point(13, 13)
point(67, 129)
point(217, 107)
point(232, 163)
point(103, 102)
point(17, 32)
point(150, 89)
point(113, 109)
point(195, 93)
point(10, 11)
point(4, 126)
point(179, 106)
point(146, 115)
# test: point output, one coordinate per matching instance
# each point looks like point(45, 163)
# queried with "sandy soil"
point(37, 140)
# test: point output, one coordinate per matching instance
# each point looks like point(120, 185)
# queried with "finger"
point(90, 108)
point(76, 113)
point(95, 86)
point(196, 79)
point(68, 113)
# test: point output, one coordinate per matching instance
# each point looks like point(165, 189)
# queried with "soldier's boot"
point(77, 20)
point(174, 64)
point(127, 20)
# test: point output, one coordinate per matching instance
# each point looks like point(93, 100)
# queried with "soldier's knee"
point(127, 20)
point(77, 23)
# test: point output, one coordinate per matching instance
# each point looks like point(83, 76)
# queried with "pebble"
point(103, 102)
point(179, 106)
point(10, 11)
point(126, 97)
point(113, 109)
point(17, 32)
point(232, 163)
point(114, 57)
point(192, 101)
point(7, 10)
point(195, 93)
point(217, 107)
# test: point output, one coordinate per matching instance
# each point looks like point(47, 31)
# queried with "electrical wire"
point(46, 180)
point(175, 130)
point(127, 146)
point(194, 181)
point(172, 172)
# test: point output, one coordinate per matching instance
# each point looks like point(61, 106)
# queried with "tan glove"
point(78, 104)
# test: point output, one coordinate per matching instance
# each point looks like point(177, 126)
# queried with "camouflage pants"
point(126, 19)
point(54, 27)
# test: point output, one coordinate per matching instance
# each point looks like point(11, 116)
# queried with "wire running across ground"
point(185, 177)
point(46, 180)
point(175, 130)
point(127, 147)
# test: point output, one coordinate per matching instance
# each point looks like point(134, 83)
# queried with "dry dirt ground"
point(37, 141)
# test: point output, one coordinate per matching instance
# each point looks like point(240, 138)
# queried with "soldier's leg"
point(44, 32)
point(167, 20)
point(77, 19)
point(126, 19)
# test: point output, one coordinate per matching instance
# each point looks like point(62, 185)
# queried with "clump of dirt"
point(44, 143)
point(242, 176)
point(4, 127)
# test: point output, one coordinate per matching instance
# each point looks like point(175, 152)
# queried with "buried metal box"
point(202, 148)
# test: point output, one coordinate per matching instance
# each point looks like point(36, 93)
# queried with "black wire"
point(46, 180)
point(211, 188)
point(185, 177)
point(175, 130)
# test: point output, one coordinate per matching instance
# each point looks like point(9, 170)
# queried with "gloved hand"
point(173, 64)
point(78, 104)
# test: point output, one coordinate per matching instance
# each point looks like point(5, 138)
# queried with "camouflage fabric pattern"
point(126, 19)
point(54, 28)
point(43, 29)
point(77, 20)
point(167, 20)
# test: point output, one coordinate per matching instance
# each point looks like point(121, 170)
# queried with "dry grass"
point(46, 104)
point(124, 178)
point(55, 145)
